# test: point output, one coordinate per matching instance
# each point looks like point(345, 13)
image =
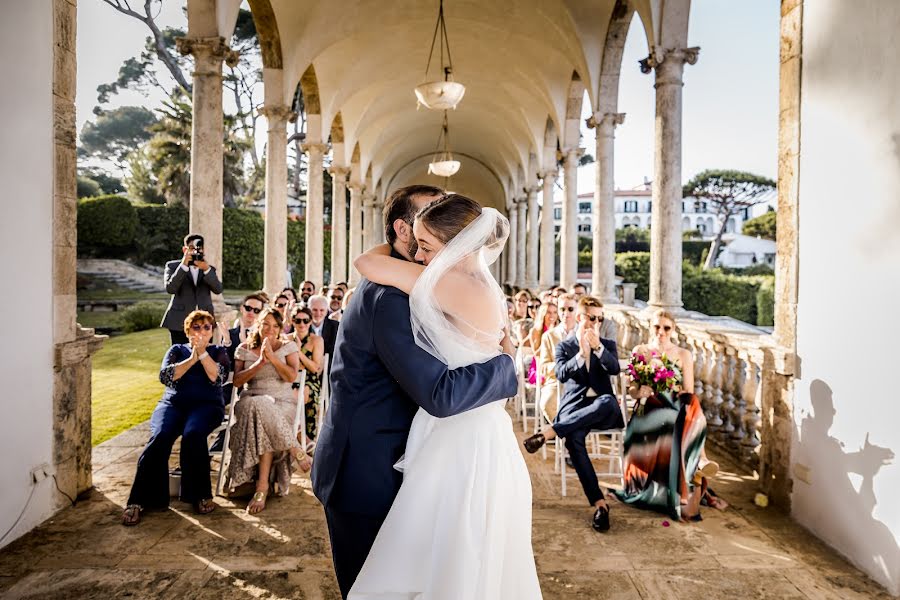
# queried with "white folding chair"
point(602, 445)
point(224, 454)
point(529, 407)
point(324, 395)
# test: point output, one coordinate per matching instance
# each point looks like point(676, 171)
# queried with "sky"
point(730, 97)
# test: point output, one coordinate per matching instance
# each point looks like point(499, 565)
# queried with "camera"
point(196, 251)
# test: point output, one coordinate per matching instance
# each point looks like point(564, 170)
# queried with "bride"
point(460, 527)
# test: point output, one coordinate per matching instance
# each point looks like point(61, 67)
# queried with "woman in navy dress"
point(191, 407)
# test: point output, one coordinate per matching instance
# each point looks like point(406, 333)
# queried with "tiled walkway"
point(84, 552)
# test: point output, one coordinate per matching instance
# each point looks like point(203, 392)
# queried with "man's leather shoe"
point(534, 443)
point(600, 522)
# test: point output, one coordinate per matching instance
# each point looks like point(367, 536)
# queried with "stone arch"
point(613, 49)
point(571, 134)
point(267, 33)
point(551, 145)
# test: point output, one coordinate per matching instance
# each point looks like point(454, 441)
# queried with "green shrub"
point(634, 267)
point(106, 226)
point(142, 316)
point(243, 239)
point(160, 234)
point(716, 294)
point(763, 226)
point(693, 251)
point(765, 303)
point(87, 187)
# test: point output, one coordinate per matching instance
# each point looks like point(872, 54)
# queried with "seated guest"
point(321, 325)
point(312, 354)
point(580, 290)
point(547, 353)
point(191, 407)
point(522, 322)
point(584, 364)
point(335, 303)
point(291, 293)
point(263, 440)
point(558, 291)
point(510, 309)
point(283, 305)
point(547, 319)
point(660, 474)
point(250, 307)
point(307, 289)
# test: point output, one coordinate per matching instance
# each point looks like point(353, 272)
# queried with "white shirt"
point(194, 271)
point(579, 359)
point(317, 329)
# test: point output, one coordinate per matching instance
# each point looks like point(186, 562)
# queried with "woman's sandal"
point(259, 498)
point(131, 516)
point(304, 462)
point(205, 506)
point(712, 500)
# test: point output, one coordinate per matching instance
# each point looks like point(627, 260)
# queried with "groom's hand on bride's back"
point(440, 391)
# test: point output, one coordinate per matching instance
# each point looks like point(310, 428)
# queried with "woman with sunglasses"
point(312, 359)
point(263, 440)
point(191, 407)
point(667, 428)
point(547, 319)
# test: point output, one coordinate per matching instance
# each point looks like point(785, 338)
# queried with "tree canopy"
point(115, 133)
point(762, 226)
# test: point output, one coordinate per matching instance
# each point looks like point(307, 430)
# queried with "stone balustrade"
point(739, 375)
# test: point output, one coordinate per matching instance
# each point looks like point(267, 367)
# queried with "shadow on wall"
point(846, 502)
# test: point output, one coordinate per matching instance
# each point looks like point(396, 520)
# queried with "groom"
point(379, 378)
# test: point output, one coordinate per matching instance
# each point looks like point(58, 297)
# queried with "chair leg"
point(222, 479)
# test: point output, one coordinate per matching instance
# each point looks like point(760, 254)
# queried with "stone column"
point(275, 261)
point(534, 234)
point(207, 134)
point(521, 246)
point(665, 232)
point(369, 228)
point(338, 223)
point(378, 221)
point(603, 283)
point(548, 234)
point(355, 248)
point(568, 245)
point(512, 244)
point(315, 214)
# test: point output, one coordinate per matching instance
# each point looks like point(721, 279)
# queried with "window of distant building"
point(631, 206)
point(699, 206)
point(584, 207)
point(584, 228)
point(649, 205)
point(556, 228)
point(557, 213)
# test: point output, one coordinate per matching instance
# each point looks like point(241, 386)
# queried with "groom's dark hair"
point(400, 206)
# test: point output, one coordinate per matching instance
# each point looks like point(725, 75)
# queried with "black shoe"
point(534, 443)
point(218, 444)
point(600, 522)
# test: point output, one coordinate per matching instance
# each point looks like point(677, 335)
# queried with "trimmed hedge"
point(142, 316)
point(749, 299)
point(106, 226)
point(153, 234)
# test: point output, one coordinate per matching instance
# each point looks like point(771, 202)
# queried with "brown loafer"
point(534, 443)
point(131, 516)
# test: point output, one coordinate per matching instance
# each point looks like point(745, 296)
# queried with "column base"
point(531, 285)
point(676, 310)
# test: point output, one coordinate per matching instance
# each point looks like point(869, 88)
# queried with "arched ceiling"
point(516, 58)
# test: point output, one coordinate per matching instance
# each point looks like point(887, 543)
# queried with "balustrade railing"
point(730, 362)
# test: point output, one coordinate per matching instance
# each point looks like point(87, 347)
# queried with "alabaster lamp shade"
point(440, 95)
point(443, 168)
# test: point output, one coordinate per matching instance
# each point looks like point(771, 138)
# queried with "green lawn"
point(125, 382)
point(99, 319)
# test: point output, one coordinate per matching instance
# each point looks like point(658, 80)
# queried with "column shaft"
point(315, 214)
point(534, 234)
point(338, 224)
point(665, 230)
point(369, 228)
point(603, 282)
point(548, 233)
point(568, 247)
point(522, 241)
point(355, 247)
point(275, 254)
point(512, 244)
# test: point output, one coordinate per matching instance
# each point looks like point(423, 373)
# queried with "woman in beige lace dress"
point(263, 437)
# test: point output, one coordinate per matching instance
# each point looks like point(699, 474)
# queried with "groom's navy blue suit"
point(379, 378)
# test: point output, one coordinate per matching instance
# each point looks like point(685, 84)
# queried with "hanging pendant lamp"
point(446, 94)
point(443, 164)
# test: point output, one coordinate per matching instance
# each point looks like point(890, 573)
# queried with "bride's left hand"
point(506, 343)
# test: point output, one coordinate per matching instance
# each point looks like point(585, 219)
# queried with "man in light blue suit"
point(379, 378)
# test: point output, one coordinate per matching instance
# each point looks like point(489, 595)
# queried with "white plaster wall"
point(847, 400)
point(26, 345)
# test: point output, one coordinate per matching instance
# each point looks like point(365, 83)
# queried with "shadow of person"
point(839, 511)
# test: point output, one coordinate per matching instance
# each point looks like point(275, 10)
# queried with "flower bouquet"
point(652, 373)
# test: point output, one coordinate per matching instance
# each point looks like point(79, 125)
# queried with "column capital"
point(211, 47)
point(554, 173)
point(314, 147)
point(356, 187)
point(571, 154)
point(339, 173)
point(662, 59)
point(605, 121)
point(277, 112)
point(531, 190)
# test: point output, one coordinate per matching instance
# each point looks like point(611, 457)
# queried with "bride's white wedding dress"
point(460, 527)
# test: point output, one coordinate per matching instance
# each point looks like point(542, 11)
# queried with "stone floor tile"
point(721, 584)
point(78, 561)
point(588, 586)
point(834, 586)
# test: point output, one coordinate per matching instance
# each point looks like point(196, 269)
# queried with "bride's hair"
point(448, 215)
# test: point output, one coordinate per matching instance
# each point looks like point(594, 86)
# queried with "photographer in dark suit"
point(191, 281)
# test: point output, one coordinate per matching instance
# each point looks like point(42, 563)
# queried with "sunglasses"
point(568, 308)
point(666, 328)
point(280, 305)
point(337, 298)
point(594, 318)
point(249, 308)
point(307, 291)
point(302, 321)
point(204, 327)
